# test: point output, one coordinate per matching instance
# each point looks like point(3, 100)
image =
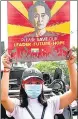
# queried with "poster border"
point(0, 40)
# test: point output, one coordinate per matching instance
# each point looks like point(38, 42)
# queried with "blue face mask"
point(33, 90)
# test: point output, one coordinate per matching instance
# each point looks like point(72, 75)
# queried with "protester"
point(32, 103)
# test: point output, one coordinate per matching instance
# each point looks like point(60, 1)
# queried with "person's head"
point(32, 85)
point(39, 15)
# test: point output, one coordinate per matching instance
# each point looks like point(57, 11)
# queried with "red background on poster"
point(23, 52)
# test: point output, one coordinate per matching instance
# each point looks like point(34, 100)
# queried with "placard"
point(38, 30)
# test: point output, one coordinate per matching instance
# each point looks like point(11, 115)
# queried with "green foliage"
point(50, 66)
point(45, 66)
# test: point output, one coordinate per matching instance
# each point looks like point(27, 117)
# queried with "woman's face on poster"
point(40, 18)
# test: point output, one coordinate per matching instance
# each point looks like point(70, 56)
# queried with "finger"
point(69, 54)
point(69, 50)
point(6, 59)
point(5, 56)
point(72, 58)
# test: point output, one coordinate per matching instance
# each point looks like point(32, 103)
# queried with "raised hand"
point(6, 60)
point(70, 57)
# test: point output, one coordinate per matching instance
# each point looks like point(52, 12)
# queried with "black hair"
point(32, 9)
point(24, 98)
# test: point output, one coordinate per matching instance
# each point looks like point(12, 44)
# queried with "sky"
point(73, 23)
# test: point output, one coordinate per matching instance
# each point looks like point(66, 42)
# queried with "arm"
point(5, 100)
point(70, 95)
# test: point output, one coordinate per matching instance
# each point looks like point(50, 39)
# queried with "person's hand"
point(70, 57)
point(6, 60)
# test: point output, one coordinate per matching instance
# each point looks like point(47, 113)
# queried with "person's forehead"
point(40, 9)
